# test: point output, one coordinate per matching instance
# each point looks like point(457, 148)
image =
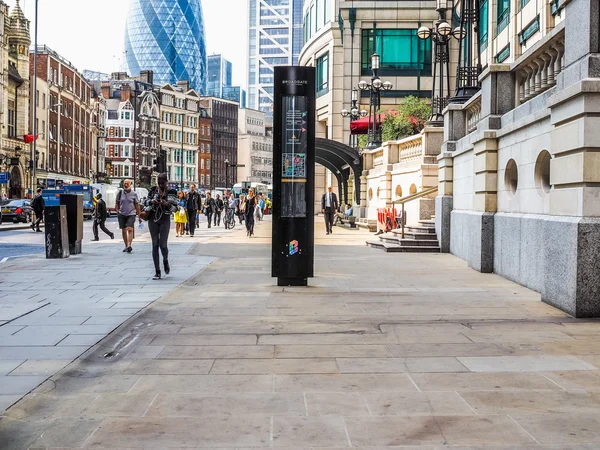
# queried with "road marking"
point(4, 259)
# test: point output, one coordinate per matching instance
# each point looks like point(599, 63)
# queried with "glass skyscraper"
point(220, 72)
point(167, 37)
point(275, 39)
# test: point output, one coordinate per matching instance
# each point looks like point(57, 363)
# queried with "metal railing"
point(410, 198)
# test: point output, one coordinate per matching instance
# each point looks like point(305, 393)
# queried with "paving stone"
point(45, 368)
point(97, 385)
point(417, 404)
point(344, 383)
point(310, 339)
point(8, 400)
point(434, 350)
point(482, 381)
point(82, 339)
point(585, 380)
point(41, 353)
point(183, 432)
point(16, 385)
point(336, 404)
point(217, 352)
point(186, 338)
point(440, 430)
point(169, 367)
point(524, 363)
point(238, 404)
point(316, 431)
point(331, 351)
point(562, 428)
point(8, 366)
point(260, 366)
point(203, 383)
point(534, 402)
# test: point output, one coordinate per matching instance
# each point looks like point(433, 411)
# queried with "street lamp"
point(440, 34)
point(374, 88)
point(354, 114)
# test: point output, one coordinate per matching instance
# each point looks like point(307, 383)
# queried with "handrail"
point(410, 198)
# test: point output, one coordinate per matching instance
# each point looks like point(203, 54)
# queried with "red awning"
point(361, 126)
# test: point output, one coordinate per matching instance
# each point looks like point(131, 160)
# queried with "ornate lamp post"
point(440, 34)
point(374, 88)
point(467, 75)
point(354, 114)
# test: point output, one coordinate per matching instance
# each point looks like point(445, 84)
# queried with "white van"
point(109, 195)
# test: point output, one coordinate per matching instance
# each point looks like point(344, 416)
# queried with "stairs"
point(417, 239)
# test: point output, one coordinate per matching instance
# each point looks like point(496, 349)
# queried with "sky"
point(89, 33)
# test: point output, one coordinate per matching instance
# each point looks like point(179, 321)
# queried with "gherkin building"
point(167, 37)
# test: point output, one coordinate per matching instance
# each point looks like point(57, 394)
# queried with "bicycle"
point(229, 219)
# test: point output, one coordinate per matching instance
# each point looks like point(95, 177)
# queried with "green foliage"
point(410, 119)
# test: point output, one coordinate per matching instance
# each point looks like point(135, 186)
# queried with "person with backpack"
point(38, 206)
point(100, 216)
point(127, 206)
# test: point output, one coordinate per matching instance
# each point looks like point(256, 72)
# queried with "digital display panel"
point(293, 161)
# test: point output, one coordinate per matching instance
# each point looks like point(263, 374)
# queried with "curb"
point(15, 227)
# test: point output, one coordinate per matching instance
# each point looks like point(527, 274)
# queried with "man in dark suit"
point(329, 206)
point(100, 215)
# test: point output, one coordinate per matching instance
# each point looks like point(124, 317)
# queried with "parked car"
point(17, 211)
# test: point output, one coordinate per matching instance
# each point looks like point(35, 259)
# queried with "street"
point(380, 351)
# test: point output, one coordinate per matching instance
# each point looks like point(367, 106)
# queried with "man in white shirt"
point(329, 206)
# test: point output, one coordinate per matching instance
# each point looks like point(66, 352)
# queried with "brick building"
point(204, 149)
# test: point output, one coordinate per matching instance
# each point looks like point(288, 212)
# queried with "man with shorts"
point(127, 206)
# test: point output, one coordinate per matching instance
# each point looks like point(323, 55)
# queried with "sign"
point(4, 177)
point(51, 183)
point(293, 176)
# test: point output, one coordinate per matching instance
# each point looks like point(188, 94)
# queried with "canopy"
point(361, 126)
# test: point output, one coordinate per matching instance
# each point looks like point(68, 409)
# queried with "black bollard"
point(56, 232)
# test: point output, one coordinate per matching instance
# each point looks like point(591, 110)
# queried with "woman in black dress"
point(249, 213)
point(160, 205)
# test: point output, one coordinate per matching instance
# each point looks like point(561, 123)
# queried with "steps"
point(417, 239)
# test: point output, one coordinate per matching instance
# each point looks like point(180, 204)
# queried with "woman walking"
point(161, 203)
point(180, 215)
point(241, 211)
point(249, 215)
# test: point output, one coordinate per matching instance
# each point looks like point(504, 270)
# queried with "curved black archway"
point(341, 157)
point(340, 175)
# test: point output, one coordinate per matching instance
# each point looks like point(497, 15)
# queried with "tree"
point(408, 119)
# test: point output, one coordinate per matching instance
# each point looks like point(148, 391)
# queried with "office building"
point(220, 73)
point(275, 39)
point(255, 147)
point(180, 114)
point(224, 133)
point(167, 37)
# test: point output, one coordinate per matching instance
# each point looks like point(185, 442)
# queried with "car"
point(17, 211)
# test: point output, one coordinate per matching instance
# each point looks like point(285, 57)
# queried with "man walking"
point(209, 208)
point(193, 206)
point(127, 206)
point(329, 206)
point(38, 206)
point(100, 218)
point(219, 205)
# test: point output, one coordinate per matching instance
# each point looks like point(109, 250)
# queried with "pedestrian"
point(261, 204)
point(161, 203)
point(181, 214)
point(241, 208)
point(209, 208)
point(329, 206)
point(249, 216)
point(100, 216)
point(231, 210)
point(38, 206)
point(193, 206)
point(127, 206)
point(4, 198)
point(219, 205)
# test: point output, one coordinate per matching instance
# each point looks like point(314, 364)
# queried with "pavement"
point(52, 311)
point(381, 351)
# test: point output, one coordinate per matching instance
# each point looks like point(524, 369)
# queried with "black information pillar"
point(293, 175)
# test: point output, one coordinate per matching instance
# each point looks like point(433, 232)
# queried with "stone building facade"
point(14, 100)
point(255, 148)
point(180, 115)
point(518, 173)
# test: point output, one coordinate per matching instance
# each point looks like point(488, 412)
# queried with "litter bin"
point(74, 206)
point(56, 232)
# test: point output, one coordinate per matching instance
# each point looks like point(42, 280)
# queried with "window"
point(401, 52)
point(126, 132)
point(208, 179)
point(483, 24)
point(202, 164)
point(503, 54)
point(529, 30)
point(43, 101)
point(126, 151)
point(202, 130)
point(208, 131)
point(208, 164)
point(207, 148)
point(202, 179)
point(323, 75)
point(12, 119)
point(202, 148)
point(503, 15)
